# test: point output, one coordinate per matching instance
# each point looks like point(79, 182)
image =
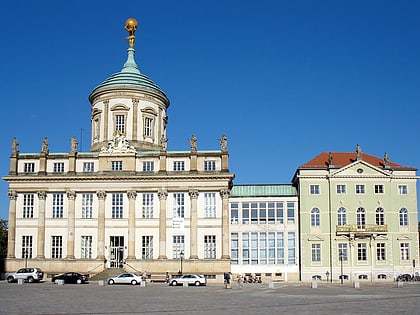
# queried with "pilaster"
point(163, 195)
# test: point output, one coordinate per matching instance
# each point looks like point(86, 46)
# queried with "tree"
point(3, 237)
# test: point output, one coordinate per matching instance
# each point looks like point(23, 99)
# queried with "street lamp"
point(25, 252)
point(341, 264)
point(181, 256)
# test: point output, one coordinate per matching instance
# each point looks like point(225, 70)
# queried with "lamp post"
point(26, 257)
point(327, 274)
point(341, 265)
point(181, 256)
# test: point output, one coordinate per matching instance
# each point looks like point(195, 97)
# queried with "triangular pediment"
point(315, 238)
point(360, 168)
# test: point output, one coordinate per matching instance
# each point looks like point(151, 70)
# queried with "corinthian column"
point(101, 224)
point(41, 225)
point(225, 223)
point(131, 224)
point(162, 194)
point(193, 224)
point(71, 195)
point(11, 234)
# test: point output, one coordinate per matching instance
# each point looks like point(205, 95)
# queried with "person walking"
point(240, 281)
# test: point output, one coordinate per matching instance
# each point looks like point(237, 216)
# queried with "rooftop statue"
point(131, 27)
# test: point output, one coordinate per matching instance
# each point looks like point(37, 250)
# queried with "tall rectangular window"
point(280, 248)
point(178, 246)
point(116, 166)
point(58, 206)
point(88, 167)
point(360, 189)
point(254, 213)
point(245, 248)
point(87, 206)
point(147, 206)
point(210, 165)
point(314, 189)
point(291, 252)
point(254, 248)
point(280, 215)
point(290, 212)
point(343, 252)
point(179, 166)
point(26, 246)
point(245, 213)
point(271, 212)
point(148, 127)
point(405, 251)
point(341, 189)
point(380, 251)
point(209, 246)
point(29, 167)
point(316, 252)
point(28, 206)
point(234, 213)
point(402, 189)
point(271, 247)
point(147, 247)
point(148, 166)
point(58, 167)
point(210, 205)
point(117, 206)
point(56, 247)
point(234, 248)
point(362, 252)
point(120, 123)
point(263, 248)
point(179, 205)
point(86, 247)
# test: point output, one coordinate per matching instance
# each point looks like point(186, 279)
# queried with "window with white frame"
point(88, 167)
point(210, 165)
point(360, 189)
point(245, 248)
point(258, 248)
point(234, 248)
point(116, 165)
point(148, 166)
point(315, 217)
point(291, 251)
point(120, 123)
point(58, 206)
point(179, 166)
point(361, 252)
point(148, 127)
point(254, 213)
point(254, 248)
point(341, 189)
point(86, 247)
point(56, 247)
point(234, 213)
point(316, 252)
point(380, 251)
point(29, 167)
point(402, 189)
point(117, 206)
point(280, 248)
point(209, 246)
point(314, 189)
point(87, 205)
point(58, 167)
point(342, 216)
point(361, 218)
point(28, 206)
point(147, 206)
point(380, 216)
point(403, 217)
point(26, 246)
point(147, 247)
point(343, 252)
point(405, 251)
point(290, 212)
point(379, 189)
point(179, 205)
point(209, 205)
point(245, 213)
point(178, 246)
point(96, 128)
point(280, 212)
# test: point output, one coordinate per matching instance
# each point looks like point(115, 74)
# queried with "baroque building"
point(357, 217)
point(128, 201)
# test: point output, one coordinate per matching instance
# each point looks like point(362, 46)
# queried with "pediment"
point(360, 169)
point(404, 238)
point(315, 238)
point(121, 107)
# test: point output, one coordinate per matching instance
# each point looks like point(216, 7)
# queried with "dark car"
point(71, 277)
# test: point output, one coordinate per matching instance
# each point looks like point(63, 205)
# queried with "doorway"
point(116, 254)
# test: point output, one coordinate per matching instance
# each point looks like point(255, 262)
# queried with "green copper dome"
point(129, 77)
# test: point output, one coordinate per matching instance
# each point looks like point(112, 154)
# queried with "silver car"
point(196, 280)
point(125, 278)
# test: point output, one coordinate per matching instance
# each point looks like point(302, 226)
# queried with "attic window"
point(359, 170)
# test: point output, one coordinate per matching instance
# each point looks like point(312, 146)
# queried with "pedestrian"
point(167, 277)
point(240, 281)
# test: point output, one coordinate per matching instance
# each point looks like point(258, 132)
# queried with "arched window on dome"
point(149, 122)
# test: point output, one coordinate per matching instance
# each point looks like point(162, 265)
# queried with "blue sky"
point(284, 80)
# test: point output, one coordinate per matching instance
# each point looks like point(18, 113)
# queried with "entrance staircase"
point(107, 273)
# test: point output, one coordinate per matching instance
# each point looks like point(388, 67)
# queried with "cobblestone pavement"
point(49, 298)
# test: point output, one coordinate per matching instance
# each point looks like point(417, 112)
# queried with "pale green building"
point(357, 218)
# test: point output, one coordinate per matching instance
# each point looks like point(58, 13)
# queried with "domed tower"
point(130, 105)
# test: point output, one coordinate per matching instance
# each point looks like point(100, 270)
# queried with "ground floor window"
point(86, 247)
point(210, 246)
point(56, 247)
point(26, 246)
point(147, 247)
point(178, 243)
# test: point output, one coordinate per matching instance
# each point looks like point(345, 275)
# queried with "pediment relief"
point(120, 107)
point(360, 168)
point(96, 112)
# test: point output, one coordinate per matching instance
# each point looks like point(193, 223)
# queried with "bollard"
point(185, 284)
point(314, 285)
point(271, 285)
point(399, 284)
point(356, 285)
point(143, 283)
point(59, 282)
point(20, 281)
point(101, 282)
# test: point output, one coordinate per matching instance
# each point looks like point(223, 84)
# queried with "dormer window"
point(210, 165)
point(149, 118)
point(58, 167)
point(116, 165)
point(120, 123)
point(179, 166)
point(29, 167)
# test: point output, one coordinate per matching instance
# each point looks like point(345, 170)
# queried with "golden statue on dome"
point(131, 27)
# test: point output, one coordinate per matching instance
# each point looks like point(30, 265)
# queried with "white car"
point(125, 278)
point(196, 280)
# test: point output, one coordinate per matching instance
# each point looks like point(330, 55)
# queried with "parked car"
point(27, 274)
point(71, 277)
point(196, 280)
point(125, 278)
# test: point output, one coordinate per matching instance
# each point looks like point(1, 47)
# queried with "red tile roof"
point(341, 159)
